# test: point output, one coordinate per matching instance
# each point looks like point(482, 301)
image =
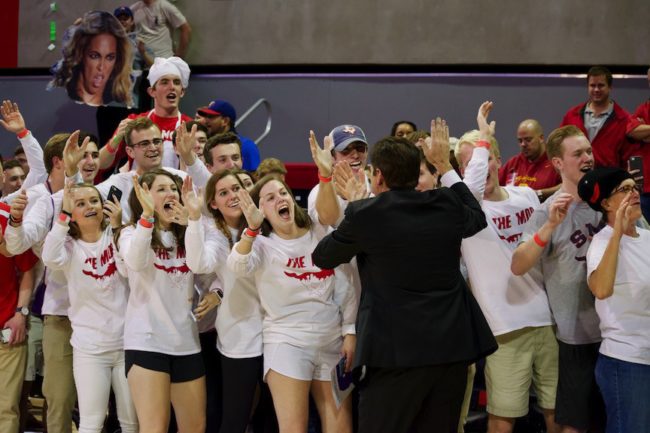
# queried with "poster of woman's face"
point(97, 60)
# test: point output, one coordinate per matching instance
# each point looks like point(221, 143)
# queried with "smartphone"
point(343, 379)
point(196, 300)
point(114, 192)
point(633, 164)
point(6, 335)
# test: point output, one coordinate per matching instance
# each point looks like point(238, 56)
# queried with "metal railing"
point(252, 108)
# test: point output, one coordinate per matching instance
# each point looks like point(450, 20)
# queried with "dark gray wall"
point(382, 31)
point(301, 103)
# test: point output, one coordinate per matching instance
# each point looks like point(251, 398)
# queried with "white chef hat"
point(170, 66)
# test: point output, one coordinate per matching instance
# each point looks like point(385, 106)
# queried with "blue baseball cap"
point(344, 135)
point(219, 107)
point(123, 10)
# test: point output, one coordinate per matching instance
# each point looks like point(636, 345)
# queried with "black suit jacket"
point(415, 308)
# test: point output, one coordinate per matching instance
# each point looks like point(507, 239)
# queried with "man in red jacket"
point(607, 125)
point(642, 134)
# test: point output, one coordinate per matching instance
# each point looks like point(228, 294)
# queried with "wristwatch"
point(23, 310)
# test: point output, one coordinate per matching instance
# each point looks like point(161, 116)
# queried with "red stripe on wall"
point(9, 34)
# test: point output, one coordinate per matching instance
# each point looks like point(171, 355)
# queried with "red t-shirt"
point(9, 268)
point(167, 126)
point(519, 171)
point(642, 113)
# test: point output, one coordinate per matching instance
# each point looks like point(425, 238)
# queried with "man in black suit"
point(418, 326)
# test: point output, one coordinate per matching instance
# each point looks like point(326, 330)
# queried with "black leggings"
point(240, 380)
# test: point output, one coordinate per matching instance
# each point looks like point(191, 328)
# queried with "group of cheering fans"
point(203, 296)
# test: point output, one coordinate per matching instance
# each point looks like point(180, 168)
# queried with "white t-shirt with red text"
point(158, 312)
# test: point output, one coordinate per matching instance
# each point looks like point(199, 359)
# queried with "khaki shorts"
point(524, 356)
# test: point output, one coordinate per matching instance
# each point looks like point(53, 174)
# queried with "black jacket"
point(415, 308)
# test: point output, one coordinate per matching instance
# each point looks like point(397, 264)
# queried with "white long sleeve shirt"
point(97, 288)
point(37, 172)
point(296, 295)
point(124, 182)
point(37, 222)
point(239, 317)
point(158, 312)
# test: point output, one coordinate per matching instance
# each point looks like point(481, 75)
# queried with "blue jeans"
point(625, 387)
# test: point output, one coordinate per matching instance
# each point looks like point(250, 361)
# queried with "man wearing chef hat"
point(168, 79)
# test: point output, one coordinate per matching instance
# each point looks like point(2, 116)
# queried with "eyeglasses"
point(157, 142)
point(359, 147)
point(626, 189)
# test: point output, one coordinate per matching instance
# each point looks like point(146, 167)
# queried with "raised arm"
point(477, 168)
point(327, 203)
point(601, 280)
point(185, 146)
point(56, 251)
point(14, 122)
point(528, 252)
point(25, 231)
point(136, 247)
point(109, 150)
point(240, 260)
point(203, 249)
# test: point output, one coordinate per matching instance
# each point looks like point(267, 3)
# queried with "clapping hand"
point(193, 201)
point(185, 143)
point(559, 208)
point(144, 197)
point(322, 157)
point(486, 129)
point(73, 153)
point(436, 150)
point(349, 185)
point(12, 120)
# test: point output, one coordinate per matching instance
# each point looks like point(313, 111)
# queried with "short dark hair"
point(19, 150)
point(597, 71)
point(398, 160)
point(216, 140)
point(12, 163)
point(393, 130)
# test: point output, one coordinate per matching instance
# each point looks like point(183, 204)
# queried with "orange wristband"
point(324, 179)
point(146, 223)
point(483, 143)
point(539, 240)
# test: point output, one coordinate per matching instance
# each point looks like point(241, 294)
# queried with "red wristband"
point(483, 143)
point(250, 232)
point(23, 133)
point(64, 218)
point(324, 179)
point(146, 223)
point(539, 240)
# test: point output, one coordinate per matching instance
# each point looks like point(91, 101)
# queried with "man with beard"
point(556, 238)
point(219, 117)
